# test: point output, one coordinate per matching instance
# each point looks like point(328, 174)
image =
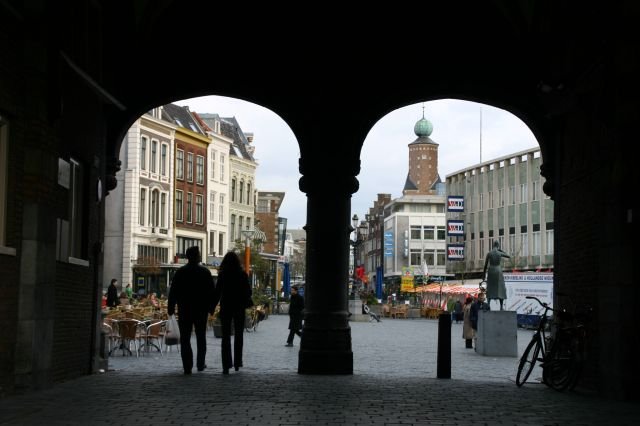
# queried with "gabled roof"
point(181, 116)
point(230, 128)
point(409, 185)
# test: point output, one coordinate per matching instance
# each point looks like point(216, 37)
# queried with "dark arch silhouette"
point(76, 74)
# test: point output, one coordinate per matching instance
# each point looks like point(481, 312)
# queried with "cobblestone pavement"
point(394, 383)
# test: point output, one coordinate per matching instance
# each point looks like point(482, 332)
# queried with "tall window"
point(180, 164)
point(154, 210)
point(240, 225)
point(512, 194)
point(212, 173)
point(189, 207)
point(179, 207)
point(212, 243)
point(442, 233)
point(200, 169)
point(512, 245)
point(212, 206)
point(4, 162)
point(189, 166)
point(222, 157)
point(199, 208)
point(232, 227)
point(534, 190)
point(501, 197)
point(143, 152)
point(221, 209)
point(550, 241)
point(525, 244)
point(221, 242)
point(490, 199)
point(249, 193)
point(523, 193)
point(440, 257)
point(481, 201)
point(163, 159)
point(163, 210)
point(154, 156)
point(535, 250)
point(241, 197)
point(233, 190)
point(143, 204)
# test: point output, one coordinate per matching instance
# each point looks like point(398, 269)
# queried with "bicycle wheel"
point(528, 360)
point(560, 369)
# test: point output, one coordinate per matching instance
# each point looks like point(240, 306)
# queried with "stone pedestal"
point(497, 333)
point(355, 307)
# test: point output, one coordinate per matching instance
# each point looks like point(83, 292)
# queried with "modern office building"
point(502, 200)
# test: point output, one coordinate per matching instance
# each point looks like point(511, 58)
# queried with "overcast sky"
point(385, 161)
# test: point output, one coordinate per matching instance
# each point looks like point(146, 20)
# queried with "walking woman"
point(234, 294)
point(467, 330)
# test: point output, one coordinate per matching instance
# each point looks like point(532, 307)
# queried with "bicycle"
point(561, 355)
point(253, 318)
point(537, 346)
point(563, 364)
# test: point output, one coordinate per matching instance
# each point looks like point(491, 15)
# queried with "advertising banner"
point(455, 228)
point(455, 203)
point(455, 251)
point(519, 286)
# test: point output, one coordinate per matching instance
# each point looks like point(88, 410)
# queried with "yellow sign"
point(406, 284)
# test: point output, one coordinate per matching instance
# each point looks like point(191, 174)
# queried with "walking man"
point(192, 289)
point(296, 306)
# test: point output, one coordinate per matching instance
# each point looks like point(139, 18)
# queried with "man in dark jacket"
point(296, 306)
point(192, 289)
point(112, 294)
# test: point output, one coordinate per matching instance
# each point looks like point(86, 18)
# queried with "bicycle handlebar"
point(545, 305)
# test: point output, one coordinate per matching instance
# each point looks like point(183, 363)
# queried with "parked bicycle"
point(254, 315)
point(561, 352)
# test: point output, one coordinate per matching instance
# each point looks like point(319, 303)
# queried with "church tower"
point(423, 177)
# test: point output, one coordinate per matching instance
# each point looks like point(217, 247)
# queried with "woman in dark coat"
point(234, 293)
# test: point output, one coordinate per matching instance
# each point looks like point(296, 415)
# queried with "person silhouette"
point(494, 278)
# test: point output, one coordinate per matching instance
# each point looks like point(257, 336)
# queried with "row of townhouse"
point(186, 179)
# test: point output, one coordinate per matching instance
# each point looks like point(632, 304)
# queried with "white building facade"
point(139, 227)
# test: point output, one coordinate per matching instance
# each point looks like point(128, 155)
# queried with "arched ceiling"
point(314, 62)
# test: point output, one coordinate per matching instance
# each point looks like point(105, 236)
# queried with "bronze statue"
point(495, 280)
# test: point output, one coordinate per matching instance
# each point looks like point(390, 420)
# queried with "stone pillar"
point(34, 342)
point(326, 340)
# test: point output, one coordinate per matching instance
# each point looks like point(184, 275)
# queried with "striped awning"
point(255, 234)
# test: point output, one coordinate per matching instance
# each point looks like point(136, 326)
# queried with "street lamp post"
point(354, 244)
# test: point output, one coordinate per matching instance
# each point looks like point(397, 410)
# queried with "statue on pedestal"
point(494, 278)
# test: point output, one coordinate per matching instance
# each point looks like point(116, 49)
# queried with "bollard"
point(444, 345)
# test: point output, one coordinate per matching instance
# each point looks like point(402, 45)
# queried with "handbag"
point(172, 336)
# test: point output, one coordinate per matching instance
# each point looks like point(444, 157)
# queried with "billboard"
point(455, 251)
point(521, 285)
point(455, 228)
point(455, 203)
